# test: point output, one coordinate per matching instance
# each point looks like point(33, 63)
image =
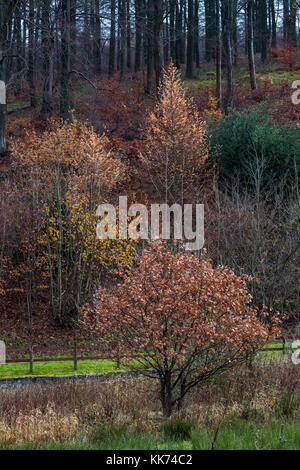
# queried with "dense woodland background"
point(46, 45)
point(90, 81)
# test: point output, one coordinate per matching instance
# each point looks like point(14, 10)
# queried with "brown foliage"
point(179, 316)
point(175, 148)
point(74, 150)
point(287, 55)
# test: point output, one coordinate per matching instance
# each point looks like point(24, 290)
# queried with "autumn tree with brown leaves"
point(181, 319)
point(175, 145)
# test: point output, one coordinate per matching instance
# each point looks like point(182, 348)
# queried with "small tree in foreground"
point(181, 319)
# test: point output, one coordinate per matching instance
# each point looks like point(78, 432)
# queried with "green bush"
point(249, 144)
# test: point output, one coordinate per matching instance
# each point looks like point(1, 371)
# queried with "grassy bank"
point(50, 368)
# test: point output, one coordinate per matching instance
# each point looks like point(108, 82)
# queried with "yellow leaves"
point(54, 234)
point(213, 110)
point(15, 289)
point(75, 235)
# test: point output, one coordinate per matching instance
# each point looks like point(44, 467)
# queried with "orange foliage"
point(175, 150)
point(73, 149)
point(287, 55)
point(179, 316)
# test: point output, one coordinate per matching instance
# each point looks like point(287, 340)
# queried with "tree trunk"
point(172, 30)
point(166, 395)
point(285, 20)
point(86, 36)
point(196, 34)
point(138, 35)
point(47, 53)
point(228, 54)
point(292, 33)
point(31, 56)
point(128, 36)
point(18, 50)
point(207, 28)
point(73, 27)
point(218, 56)
point(6, 11)
point(97, 38)
point(166, 41)
point(179, 34)
point(273, 23)
point(122, 19)
point(112, 41)
point(150, 61)
point(251, 59)
point(65, 105)
point(246, 33)
point(256, 27)
point(235, 34)
point(157, 41)
point(190, 41)
point(283, 345)
point(263, 29)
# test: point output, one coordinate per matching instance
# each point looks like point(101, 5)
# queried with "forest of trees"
point(150, 222)
point(165, 101)
point(46, 43)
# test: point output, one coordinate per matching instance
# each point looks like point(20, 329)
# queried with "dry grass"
point(38, 426)
point(70, 411)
